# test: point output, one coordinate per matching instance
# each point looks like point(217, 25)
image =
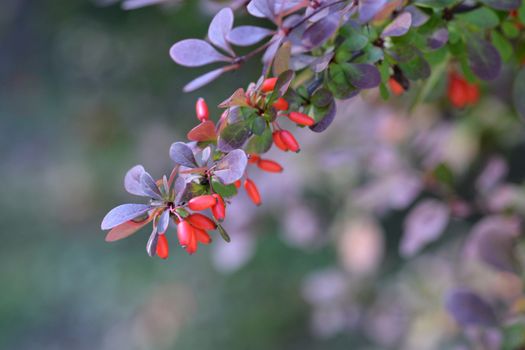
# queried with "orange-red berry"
point(201, 221)
point(460, 92)
point(290, 141)
point(268, 84)
point(162, 249)
point(253, 158)
point(184, 233)
point(252, 191)
point(269, 165)
point(202, 236)
point(396, 88)
point(281, 104)
point(278, 141)
point(192, 244)
point(201, 108)
point(219, 209)
point(202, 202)
point(237, 183)
point(301, 118)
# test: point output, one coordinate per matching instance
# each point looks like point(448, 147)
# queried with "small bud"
point(301, 118)
point(290, 141)
point(278, 141)
point(162, 249)
point(201, 221)
point(184, 233)
point(395, 87)
point(252, 191)
point(237, 184)
point(219, 209)
point(268, 84)
point(202, 202)
point(281, 104)
point(201, 108)
point(202, 236)
point(269, 166)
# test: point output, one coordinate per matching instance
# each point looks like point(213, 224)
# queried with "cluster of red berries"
point(460, 92)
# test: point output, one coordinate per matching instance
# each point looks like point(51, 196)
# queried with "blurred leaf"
point(416, 68)
point(223, 233)
point(163, 221)
point(438, 38)
point(132, 180)
point(505, 5)
point(319, 32)
point(468, 309)
point(258, 125)
point(238, 98)
point(483, 18)
point(510, 30)
point(435, 3)
point(260, 144)
point(484, 59)
point(327, 119)
point(126, 229)
point(503, 45)
point(362, 75)
point(224, 191)
point(281, 85)
point(281, 62)
point(123, 213)
point(231, 167)
point(233, 136)
point(513, 336)
point(220, 27)
point(399, 26)
point(261, 8)
point(322, 97)
point(338, 84)
point(248, 35)
point(369, 8)
point(195, 53)
point(149, 187)
point(182, 154)
point(203, 80)
point(151, 246)
point(518, 92)
point(203, 132)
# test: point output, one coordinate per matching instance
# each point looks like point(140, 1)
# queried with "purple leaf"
point(123, 213)
point(468, 309)
point(272, 49)
point(220, 27)
point(399, 26)
point(182, 154)
point(162, 224)
point(322, 62)
point(424, 224)
point(203, 80)
point(418, 17)
point(261, 8)
point(195, 53)
point(362, 75)
point(328, 118)
point(203, 132)
point(319, 32)
point(247, 35)
point(231, 168)
point(233, 136)
point(126, 229)
point(149, 187)
point(518, 91)
point(505, 5)
point(484, 59)
point(135, 4)
point(132, 180)
point(282, 84)
point(438, 39)
point(369, 8)
point(151, 246)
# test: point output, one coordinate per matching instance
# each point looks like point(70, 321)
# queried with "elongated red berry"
point(252, 191)
point(201, 108)
point(201, 221)
point(290, 141)
point(162, 249)
point(396, 88)
point(301, 118)
point(278, 141)
point(219, 209)
point(254, 158)
point(268, 84)
point(472, 93)
point(269, 165)
point(184, 232)
point(237, 183)
point(281, 104)
point(202, 202)
point(202, 236)
point(192, 244)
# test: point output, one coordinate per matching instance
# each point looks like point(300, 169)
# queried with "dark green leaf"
point(260, 144)
point(224, 190)
point(233, 136)
point(223, 233)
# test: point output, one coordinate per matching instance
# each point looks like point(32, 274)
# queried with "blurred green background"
point(85, 93)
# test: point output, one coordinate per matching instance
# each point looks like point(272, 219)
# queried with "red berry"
point(252, 191)
point(201, 221)
point(254, 158)
point(268, 84)
point(457, 90)
point(202, 202)
point(237, 183)
point(281, 104)
point(162, 249)
point(202, 236)
point(184, 233)
point(396, 88)
point(219, 209)
point(290, 141)
point(270, 166)
point(192, 244)
point(472, 93)
point(276, 135)
point(201, 108)
point(301, 118)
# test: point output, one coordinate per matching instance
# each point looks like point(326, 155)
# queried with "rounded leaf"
point(195, 53)
point(468, 309)
point(247, 35)
point(202, 80)
point(484, 59)
point(132, 180)
point(231, 168)
point(182, 154)
point(123, 213)
point(399, 26)
point(220, 27)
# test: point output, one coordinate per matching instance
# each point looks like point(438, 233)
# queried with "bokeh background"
point(88, 90)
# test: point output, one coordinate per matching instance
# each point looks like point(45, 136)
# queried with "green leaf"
point(233, 136)
point(337, 83)
point(503, 45)
point(322, 97)
point(260, 144)
point(385, 94)
point(223, 233)
point(518, 92)
point(513, 336)
point(483, 18)
point(510, 30)
point(258, 125)
point(521, 12)
point(435, 3)
point(224, 190)
point(415, 69)
point(444, 174)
